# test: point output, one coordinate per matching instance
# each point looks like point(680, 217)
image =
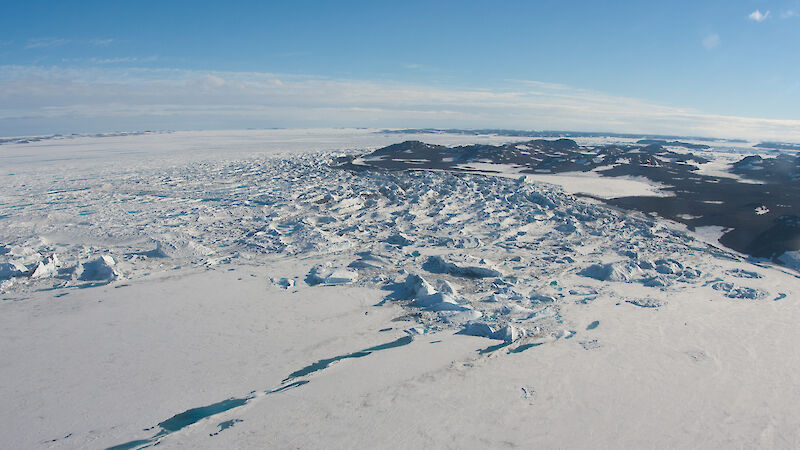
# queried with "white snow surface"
point(590, 183)
point(142, 277)
point(710, 234)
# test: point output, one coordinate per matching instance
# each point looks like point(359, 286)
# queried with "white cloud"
point(788, 14)
point(123, 59)
point(57, 42)
point(214, 81)
point(758, 16)
point(112, 60)
point(45, 42)
point(98, 42)
point(711, 41)
point(116, 98)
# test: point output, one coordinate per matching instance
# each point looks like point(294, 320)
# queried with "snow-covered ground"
point(589, 183)
point(232, 290)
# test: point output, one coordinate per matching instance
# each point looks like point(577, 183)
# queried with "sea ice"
point(360, 231)
point(620, 271)
point(439, 301)
point(791, 259)
point(325, 274)
point(46, 268)
point(435, 264)
point(12, 269)
point(100, 269)
point(173, 247)
point(731, 290)
point(284, 283)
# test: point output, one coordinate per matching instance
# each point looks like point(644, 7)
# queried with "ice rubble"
point(660, 273)
point(99, 269)
point(611, 272)
point(731, 290)
point(436, 264)
point(489, 256)
point(508, 333)
point(12, 269)
point(283, 282)
point(791, 259)
point(326, 274)
point(47, 268)
point(177, 247)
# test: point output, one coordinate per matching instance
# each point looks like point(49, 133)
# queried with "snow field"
point(135, 292)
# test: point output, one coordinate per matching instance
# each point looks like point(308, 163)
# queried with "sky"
point(699, 68)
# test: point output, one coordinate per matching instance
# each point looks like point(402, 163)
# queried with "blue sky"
point(726, 68)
